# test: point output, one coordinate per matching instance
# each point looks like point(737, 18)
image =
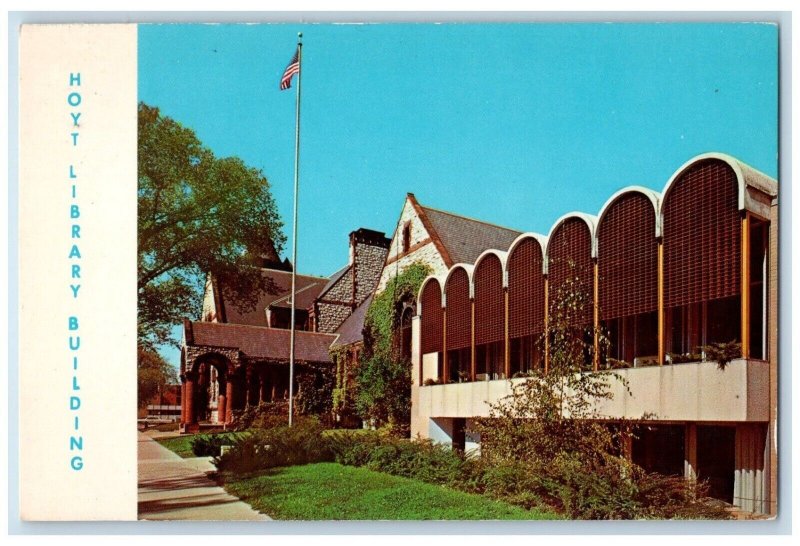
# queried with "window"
point(406, 236)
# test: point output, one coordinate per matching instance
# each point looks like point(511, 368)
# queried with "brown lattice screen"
point(570, 257)
point(459, 327)
point(627, 258)
point(526, 289)
point(489, 301)
point(432, 318)
point(702, 236)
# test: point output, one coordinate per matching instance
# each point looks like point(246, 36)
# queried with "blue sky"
point(514, 124)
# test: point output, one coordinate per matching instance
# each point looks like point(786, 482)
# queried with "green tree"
point(199, 215)
point(555, 447)
point(383, 380)
point(154, 373)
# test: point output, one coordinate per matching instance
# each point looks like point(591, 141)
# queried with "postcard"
point(399, 271)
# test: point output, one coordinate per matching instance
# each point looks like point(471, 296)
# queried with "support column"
point(546, 325)
point(690, 452)
point(596, 320)
point(261, 387)
point(190, 416)
point(229, 398)
point(661, 313)
point(274, 381)
point(248, 383)
point(746, 285)
point(472, 363)
point(183, 400)
point(506, 339)
point(221, 404)
point(445, 360)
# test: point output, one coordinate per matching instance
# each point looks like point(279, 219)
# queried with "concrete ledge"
point(697, 391)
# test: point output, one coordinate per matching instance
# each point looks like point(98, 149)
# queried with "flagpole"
point(294, 221)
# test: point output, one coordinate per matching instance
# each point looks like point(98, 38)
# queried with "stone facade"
point(421, 247)
point(367, 255)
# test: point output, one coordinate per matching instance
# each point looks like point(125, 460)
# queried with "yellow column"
point(472, 341)
point(660, 274)
point(445, 363)
point(596, 356)
point(546, 326)
point(746, 285)
point(507, 347)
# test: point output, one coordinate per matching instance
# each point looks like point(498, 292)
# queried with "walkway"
point(172, 488)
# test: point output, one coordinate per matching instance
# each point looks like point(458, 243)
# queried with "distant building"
point(667, 273)
point(164, 405)
point(234, 358)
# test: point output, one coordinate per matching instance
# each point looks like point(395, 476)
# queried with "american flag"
point(291, 70)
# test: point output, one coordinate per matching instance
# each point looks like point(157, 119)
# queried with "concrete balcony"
point(697, 391)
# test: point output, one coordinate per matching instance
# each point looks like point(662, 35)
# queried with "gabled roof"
point(283, 284)
point(351, 330)
point(463, 238)
point(262, 342)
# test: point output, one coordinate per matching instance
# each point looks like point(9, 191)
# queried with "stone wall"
point(368, 253)
point(193, 352)
point(426, 252)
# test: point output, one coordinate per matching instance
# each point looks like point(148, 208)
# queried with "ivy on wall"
point(383, 379)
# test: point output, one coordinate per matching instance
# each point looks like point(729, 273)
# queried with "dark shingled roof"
point(260, 342)
point(351, 329)
point(310, 286)
point(465, 238)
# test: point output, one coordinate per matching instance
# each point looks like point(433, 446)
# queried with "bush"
point(264, 416)
point(206, 446)
point(279, 446)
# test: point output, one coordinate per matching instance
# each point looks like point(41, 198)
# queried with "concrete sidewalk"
point(172, 488)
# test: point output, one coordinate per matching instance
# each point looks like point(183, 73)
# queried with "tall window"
point(526, 306)
point(702, 259)
point(406, 236)
point(627, 263)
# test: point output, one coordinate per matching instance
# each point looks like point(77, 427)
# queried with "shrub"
point(279, 446)
point(262, 416)
point(207, 446)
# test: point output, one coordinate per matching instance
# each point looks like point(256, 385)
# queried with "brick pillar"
point(183, 401)
point(190, 413)
point(261, 387)
point(229, 399)
point(222, 400)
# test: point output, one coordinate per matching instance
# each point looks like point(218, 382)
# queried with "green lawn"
point(181, 445)
point(330, 491)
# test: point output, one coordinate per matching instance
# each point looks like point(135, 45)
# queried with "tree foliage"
point(384, 376)
point(198, 215)
point(154, 374)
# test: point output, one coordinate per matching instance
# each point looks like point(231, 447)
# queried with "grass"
point(182, 445)
point(330, 491)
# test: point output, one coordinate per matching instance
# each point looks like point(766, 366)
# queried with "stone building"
point(234, 357)
point(666, 274)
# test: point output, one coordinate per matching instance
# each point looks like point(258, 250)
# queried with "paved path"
point(172, 488)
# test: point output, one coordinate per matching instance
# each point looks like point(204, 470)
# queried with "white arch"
point(732, 162)
point(652, 195)
point(428, 279)
point(469, 268)
point(591, 223)
point(541, 239)
point(502, 255)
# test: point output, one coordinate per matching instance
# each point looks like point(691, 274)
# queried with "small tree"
point(154, 375)
point(549, 434)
